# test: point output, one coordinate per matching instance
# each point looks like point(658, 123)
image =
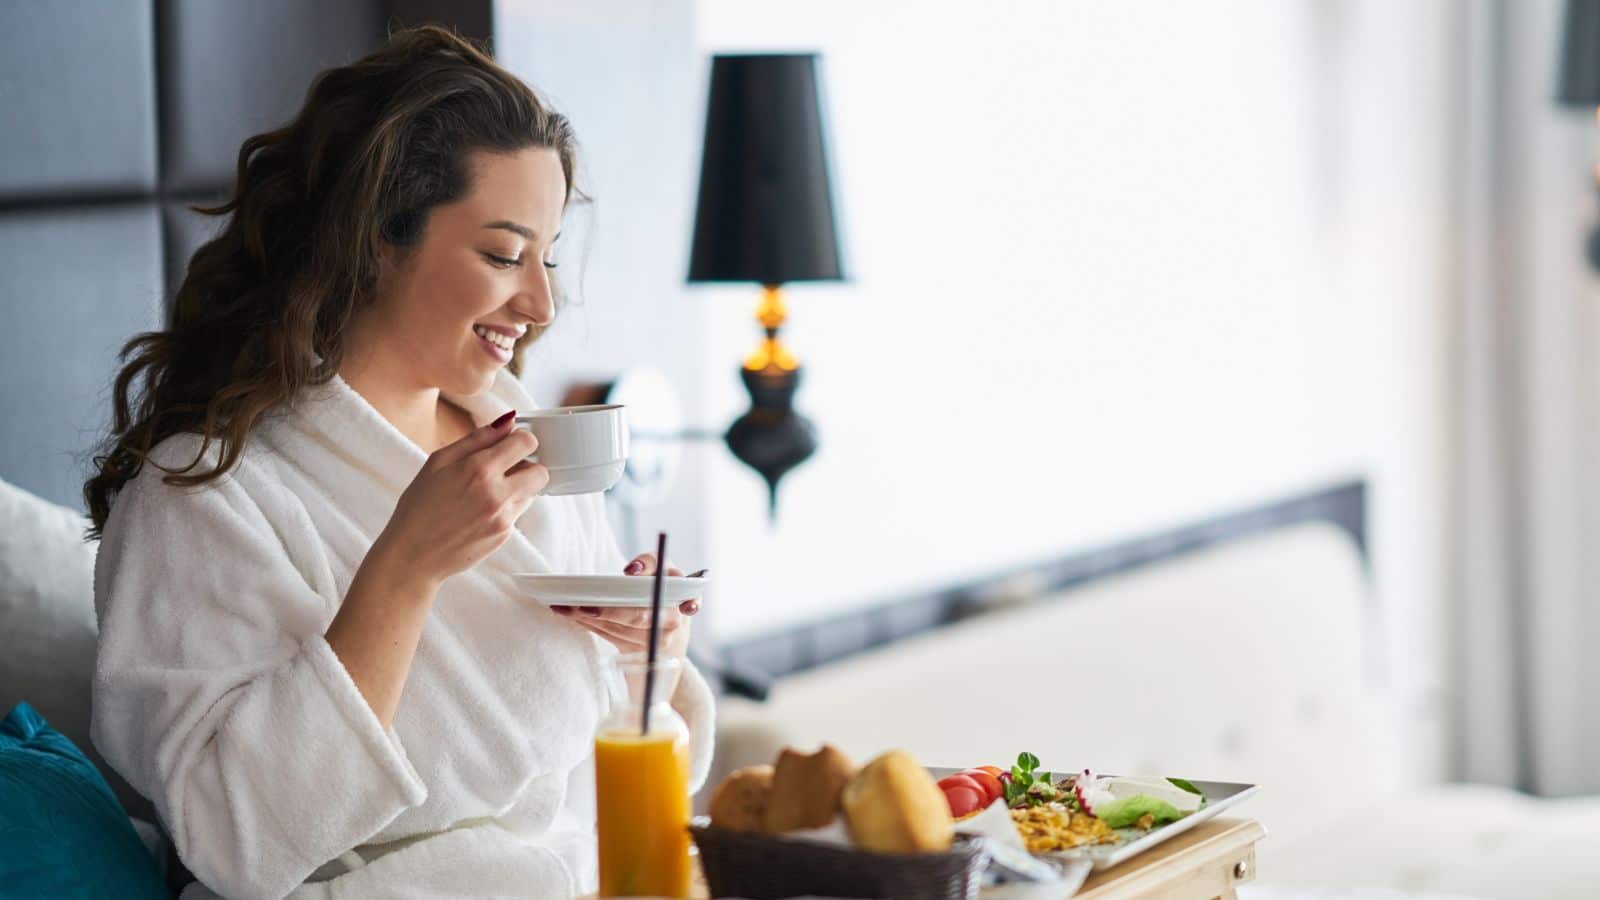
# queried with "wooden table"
point(1206, 862)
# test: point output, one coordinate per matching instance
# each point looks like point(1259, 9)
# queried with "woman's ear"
point(391, 257)
point(402, 229)
point(398, 234)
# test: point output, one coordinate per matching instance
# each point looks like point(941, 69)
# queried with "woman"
point(313, 657)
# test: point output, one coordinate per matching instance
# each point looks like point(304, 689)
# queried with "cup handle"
point(533, 458)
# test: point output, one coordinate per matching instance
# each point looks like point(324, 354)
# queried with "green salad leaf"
point(1185, 785)
point(1023, 777)
point(1125, 812)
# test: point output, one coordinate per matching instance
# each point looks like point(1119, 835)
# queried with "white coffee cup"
point(584, 447)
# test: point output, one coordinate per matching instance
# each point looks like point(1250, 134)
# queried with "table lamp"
point(765, 215)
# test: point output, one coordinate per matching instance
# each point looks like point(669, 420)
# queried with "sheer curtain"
point(1526, 508)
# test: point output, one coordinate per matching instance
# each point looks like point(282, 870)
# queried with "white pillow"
point(46, 610)
point(47, 621)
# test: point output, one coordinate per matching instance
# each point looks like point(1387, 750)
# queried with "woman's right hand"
point(459, 509)
point(464, 503)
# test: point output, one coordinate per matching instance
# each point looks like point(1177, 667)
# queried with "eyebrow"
point(523, 230)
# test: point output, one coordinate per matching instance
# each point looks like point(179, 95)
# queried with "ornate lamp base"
point(771, 437)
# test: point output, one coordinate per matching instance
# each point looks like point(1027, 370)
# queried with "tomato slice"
point(990, 783)
point(962, 779)
point(967, 792)
point(964, 800)
point(996, 771)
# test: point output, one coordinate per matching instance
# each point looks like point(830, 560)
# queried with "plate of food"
point(1106, 819)
point(609, 590)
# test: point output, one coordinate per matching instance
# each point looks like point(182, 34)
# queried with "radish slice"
point(1091, 791)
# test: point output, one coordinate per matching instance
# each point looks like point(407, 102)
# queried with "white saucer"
point(609, 590)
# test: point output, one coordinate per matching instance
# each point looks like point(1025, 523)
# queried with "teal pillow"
point(62, 831)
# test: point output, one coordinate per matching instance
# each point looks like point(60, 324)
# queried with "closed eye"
point(504, 262)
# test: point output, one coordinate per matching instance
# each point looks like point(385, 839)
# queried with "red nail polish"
point(590, 610)
point(509, 415)
point(633, 568)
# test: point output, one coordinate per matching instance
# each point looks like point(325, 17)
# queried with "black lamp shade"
point(765, 212)
point(1580, 55)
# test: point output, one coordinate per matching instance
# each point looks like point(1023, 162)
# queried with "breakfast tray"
point(1220, 797)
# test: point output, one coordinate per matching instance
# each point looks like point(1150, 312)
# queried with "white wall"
point(624, 72)
point(1116, 266)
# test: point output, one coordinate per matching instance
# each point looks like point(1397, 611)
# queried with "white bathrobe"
point(216, 695)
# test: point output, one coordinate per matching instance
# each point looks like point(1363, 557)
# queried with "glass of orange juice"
point(642, 785)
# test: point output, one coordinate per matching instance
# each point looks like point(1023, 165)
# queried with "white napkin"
point(1020, 874)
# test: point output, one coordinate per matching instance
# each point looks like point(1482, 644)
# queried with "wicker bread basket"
point(762, 867)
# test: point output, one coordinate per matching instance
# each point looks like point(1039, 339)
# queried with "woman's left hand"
point(629, 629)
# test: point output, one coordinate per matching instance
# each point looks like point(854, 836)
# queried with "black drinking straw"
point(655, 632)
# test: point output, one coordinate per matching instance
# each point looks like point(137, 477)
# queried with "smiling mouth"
point(504, 341)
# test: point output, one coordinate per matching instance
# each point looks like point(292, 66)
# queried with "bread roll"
point(740, 801)
point(806, 789)
point(895, 806)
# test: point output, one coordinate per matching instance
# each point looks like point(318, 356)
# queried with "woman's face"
point(478, 278)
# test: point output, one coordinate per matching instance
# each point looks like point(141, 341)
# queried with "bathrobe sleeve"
point(216, 695)
point(695, 703)
point(693, 699)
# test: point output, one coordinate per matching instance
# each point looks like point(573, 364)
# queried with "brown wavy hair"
point(262, 311)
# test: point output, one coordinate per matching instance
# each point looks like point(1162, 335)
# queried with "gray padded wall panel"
point(185, 230)
point(231, 70)
point(77, 98)
point(76, 284)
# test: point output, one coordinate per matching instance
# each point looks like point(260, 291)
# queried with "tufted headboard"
point(1246, 659)
point(114, 119)
point(755, 662)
